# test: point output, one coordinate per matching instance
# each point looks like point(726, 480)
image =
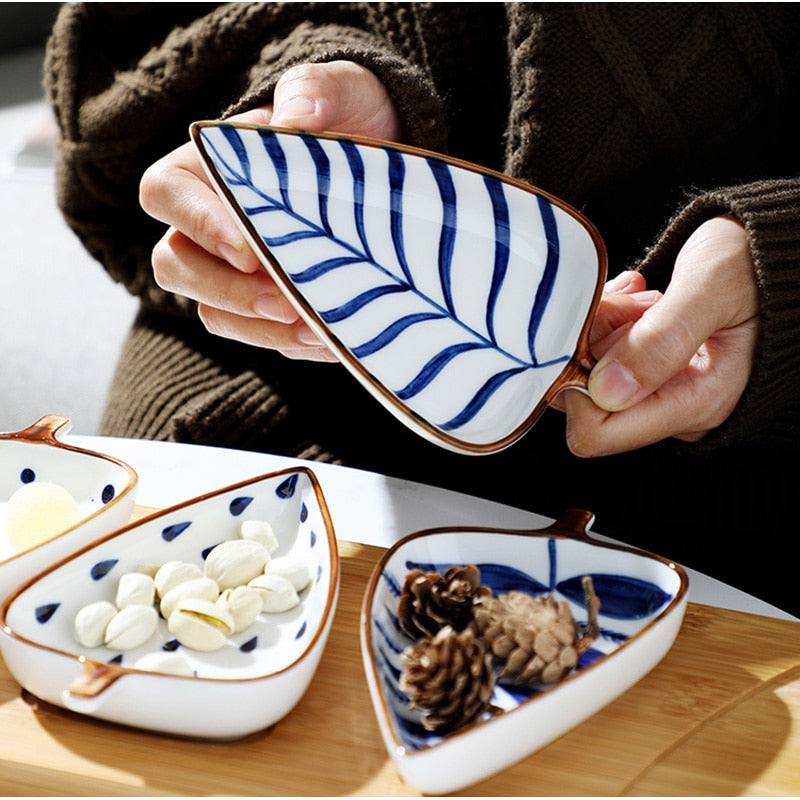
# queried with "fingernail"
point(306, 336)
point(294, 107)
point(274, 307)
point(620, 282)
point(613, 386)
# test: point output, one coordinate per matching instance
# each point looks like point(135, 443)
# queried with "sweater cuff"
point(421, 112)
point(770, 213)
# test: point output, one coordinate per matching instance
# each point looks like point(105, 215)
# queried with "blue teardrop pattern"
point(301, 630)
point(44, 613)
point(27, 475)
point(303, 512)
point(172, 532)
point(108, 493)
point(238, 505)
point(171, 646)
point(102, 568)
point(287, 487)
point(249, 645)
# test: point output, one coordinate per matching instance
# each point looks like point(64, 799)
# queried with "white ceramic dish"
point(248, 685)
point(459, 297)
point(642, 602)
point(103, 487)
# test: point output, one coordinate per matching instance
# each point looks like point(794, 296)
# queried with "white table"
point(366, 507)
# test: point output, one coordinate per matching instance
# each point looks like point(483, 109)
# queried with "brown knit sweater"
point(650, 118)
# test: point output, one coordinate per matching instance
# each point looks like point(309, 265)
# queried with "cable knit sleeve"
point(126, 80)
point(770, 212)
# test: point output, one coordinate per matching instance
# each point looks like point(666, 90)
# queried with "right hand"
point(203, 255)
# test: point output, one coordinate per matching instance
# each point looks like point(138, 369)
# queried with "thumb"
point(337, 96)
point(649, 352)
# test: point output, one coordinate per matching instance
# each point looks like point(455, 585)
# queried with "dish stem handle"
point(43, 430)
point(574, 522)
point(92, 681)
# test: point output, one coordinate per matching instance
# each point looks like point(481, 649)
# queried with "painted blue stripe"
point(397, 174)
point(447, 237)
point(358, 302)
point(391, 332)
point(290, 238)
point(434, 367)
point(315, 270)
point(552, 553)
point(323, 166)
point(237, 145)
point(545, 288)
point(275, 152)
point(480, 398)
point(501, 248)
point(357, 170)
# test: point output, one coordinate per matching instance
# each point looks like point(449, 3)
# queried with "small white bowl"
point(103, 487)
point(642, 602)
point(252, 682)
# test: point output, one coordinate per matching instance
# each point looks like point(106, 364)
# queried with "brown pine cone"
point(449, 678)
point(535, 639)
point(429, 600)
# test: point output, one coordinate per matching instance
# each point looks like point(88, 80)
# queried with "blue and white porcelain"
point(103, 487)
point(460, 297)
point(252, 682)
point(642, 598)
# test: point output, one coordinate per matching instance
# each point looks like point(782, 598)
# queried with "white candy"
point(200, 624)
point(294, 570)
point(91, 623)
point(172, 573)
point(135, 588)
point(235, 562)
point(171, 663)
point(243, 604)
point(201, 588)
point(277, 593)
point(131, 627)
point(261, 531)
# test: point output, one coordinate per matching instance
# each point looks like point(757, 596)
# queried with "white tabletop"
point(365, 507)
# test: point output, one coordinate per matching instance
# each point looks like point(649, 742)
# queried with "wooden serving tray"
point(720, 715)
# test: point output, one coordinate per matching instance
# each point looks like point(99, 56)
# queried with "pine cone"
point(535, 639)
point(429, 600)
point(449, 678)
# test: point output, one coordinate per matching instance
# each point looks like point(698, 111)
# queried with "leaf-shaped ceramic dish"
point(459, 297)
point(642, 602)
point(257, 677)
point(103, 487)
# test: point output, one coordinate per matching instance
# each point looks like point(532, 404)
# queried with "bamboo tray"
point(720, 715)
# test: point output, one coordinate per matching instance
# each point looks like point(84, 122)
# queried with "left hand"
point(671, 365)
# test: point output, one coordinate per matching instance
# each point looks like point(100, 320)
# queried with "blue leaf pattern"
point(387, 247)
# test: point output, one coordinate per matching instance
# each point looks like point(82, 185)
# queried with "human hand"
point(671, 365)
point(203, 255)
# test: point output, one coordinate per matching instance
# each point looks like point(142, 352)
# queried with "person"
point(667, 125)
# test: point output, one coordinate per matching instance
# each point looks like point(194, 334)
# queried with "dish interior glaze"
point(44, 612)
point(459, 297)
point(634, 590)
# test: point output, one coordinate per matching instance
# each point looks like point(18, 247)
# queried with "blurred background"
point(62, 319)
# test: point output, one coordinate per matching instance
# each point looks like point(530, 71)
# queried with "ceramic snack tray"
point(459, 297)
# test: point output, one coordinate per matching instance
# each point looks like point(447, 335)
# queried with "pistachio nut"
point(91, 622)
point(294, 570)
point(172, 573)
point(259, 530)
point(243, 604)
point(171, 663)
point(131, 626)
point(135, 588)
point(201, 588)
point(235, 562)
point(200, 624)
point(277, 593)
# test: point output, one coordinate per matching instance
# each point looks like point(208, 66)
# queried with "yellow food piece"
point(38, 511)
